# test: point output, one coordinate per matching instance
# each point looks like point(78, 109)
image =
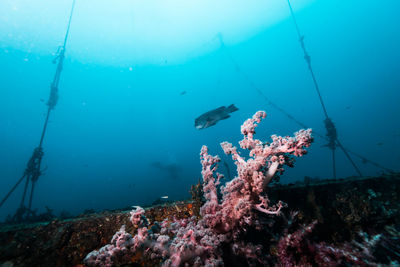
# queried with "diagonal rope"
point(33, 170)
point(333, 141)
point(290, 117)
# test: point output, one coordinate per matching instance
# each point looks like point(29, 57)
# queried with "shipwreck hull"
point(342, 208)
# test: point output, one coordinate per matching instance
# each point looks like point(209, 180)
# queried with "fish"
point(210, 118)
point(171, 169)
point(164, 197)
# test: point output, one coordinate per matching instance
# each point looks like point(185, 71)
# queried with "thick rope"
point(330, 127)
point(292, 118)
point(32, 171)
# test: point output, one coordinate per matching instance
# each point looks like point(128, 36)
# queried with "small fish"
point(211, 117)
point(183, 93)
point(164, 197)
point(379, 144)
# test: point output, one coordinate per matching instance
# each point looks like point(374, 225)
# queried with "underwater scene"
point(199, 133)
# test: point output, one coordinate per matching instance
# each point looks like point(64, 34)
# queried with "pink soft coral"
point(201, 242)
point(245, 193)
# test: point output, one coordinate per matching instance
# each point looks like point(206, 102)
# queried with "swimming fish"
point(171, 169)
point(211, 117)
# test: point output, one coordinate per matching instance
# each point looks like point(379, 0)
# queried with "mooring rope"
point(32, 171)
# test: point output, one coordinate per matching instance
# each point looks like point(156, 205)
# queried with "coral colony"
point(223, 221)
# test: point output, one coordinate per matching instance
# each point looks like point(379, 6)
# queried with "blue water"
point(121, 107)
